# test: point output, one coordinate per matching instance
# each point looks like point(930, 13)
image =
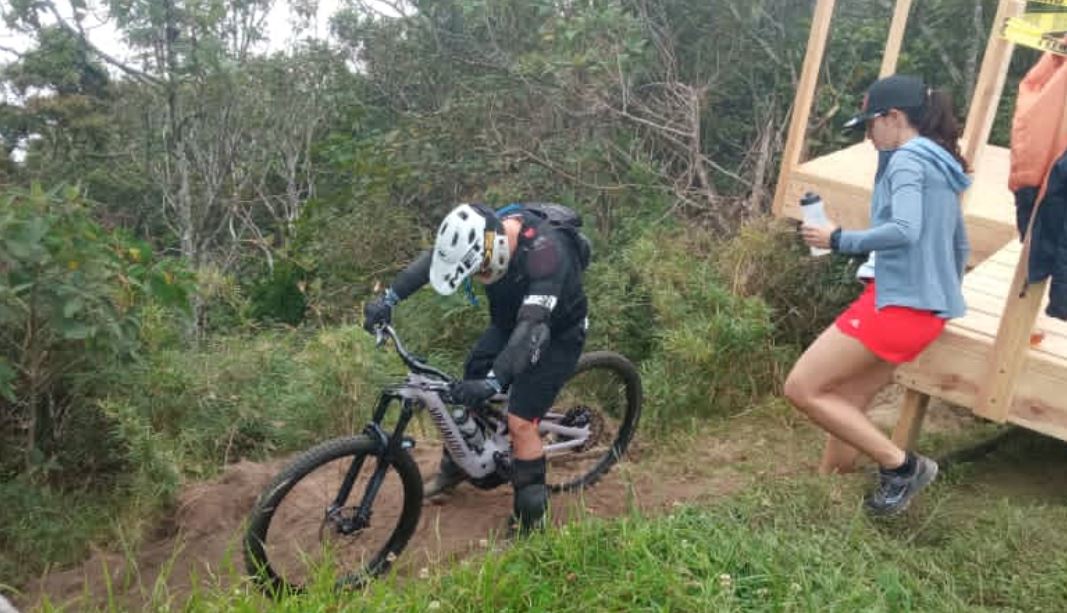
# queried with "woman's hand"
point(818, 236)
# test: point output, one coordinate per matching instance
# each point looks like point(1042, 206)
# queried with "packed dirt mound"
point(201, 541)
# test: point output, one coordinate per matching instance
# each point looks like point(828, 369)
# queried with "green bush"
point(42, 524)
point(252, 395)
point(714, 352)
point(71, 298)
point(278, 295)
point(350, 246)
point(767, 259)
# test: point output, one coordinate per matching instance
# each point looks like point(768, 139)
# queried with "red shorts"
point(895, 334)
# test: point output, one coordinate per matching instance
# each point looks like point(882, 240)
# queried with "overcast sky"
point(103, 34)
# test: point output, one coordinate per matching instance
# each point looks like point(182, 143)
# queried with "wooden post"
point(990, 84)
point(896, 37)
point(1012, 345)
point(809, 77)
point(912, 413)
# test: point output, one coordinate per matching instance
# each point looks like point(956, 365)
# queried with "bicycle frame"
point(423, 388)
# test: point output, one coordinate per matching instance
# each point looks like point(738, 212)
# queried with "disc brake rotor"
point(583, 416)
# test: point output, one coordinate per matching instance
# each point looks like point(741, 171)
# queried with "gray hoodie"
point(917, 229)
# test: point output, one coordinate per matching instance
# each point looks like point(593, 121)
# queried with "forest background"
point(187, 231)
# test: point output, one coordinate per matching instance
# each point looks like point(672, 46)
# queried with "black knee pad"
point(531, 495)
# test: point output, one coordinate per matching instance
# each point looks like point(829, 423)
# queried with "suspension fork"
point(387, 448)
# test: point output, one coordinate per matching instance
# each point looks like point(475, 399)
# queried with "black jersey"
point(544, 273)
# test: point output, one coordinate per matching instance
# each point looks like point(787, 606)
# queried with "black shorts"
point(533, 391)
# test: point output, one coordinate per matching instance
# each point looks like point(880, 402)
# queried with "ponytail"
point(937, 121)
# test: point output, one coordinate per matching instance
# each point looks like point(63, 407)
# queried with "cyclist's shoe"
point(516, 529)
point(530, 498)
point(895, 491)
point(447, 478)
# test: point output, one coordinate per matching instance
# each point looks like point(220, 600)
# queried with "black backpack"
point(563, 218)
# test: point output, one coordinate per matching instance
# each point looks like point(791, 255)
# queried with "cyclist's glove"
point(379, 311)
point(474, 392)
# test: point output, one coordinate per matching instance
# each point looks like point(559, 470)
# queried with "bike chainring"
point(581, 416)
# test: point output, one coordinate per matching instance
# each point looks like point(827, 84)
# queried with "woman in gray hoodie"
point(918, 235)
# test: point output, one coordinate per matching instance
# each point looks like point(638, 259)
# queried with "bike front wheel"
point(317, 513)
point(604, 397)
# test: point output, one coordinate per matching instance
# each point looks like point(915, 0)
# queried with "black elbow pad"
point(524, 350)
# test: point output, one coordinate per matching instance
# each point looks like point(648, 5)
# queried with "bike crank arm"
point(577, 436)
point(581, 433)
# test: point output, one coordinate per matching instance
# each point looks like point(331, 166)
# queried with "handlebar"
point(385, 332)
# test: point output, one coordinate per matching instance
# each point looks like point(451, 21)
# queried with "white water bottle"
point(814, 215)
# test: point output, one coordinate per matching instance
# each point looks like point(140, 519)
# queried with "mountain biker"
point(532, 272)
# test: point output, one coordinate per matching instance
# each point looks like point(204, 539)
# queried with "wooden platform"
point(955, 366)
point(985, 360)
point(845, 178)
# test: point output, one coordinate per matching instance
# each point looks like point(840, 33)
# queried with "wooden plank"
point(809, 76)
point(895, 38)
point(912, 413)
point(1009, 254)
point(949, 368)
point(988, 89)
point(1053, 341)
point(954, 369)
point(1003, 273)
point(1038, 403)
point(985, 286)
point(1042, 424)
point(1010, 350)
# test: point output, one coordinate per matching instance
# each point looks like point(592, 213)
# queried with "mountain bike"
point(355, 501)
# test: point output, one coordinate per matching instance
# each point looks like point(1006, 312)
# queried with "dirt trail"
point(201, 541)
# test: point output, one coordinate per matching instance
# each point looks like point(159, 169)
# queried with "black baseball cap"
point(893, 92)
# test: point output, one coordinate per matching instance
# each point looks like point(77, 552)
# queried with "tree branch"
point(133, 72)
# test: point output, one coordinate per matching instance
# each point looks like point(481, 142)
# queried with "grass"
point(774, 548)
point(988, 537)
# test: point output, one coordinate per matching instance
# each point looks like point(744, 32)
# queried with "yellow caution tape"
point(1042, 31)
point(1040, 23)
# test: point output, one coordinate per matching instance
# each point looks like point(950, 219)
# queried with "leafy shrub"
point(279, 295)
point(805, 294)
point(72, 300)
point(714, 351)
point(41, 524)
point(71, 295)
point(348, 246)
point(251, 395)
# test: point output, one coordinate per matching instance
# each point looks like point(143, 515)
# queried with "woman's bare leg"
point(838, 456)
point(814, 387)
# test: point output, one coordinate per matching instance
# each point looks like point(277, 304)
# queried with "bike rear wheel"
point(296, 525)
point(605, 394)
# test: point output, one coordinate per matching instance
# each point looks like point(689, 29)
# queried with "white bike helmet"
point(470, 240)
